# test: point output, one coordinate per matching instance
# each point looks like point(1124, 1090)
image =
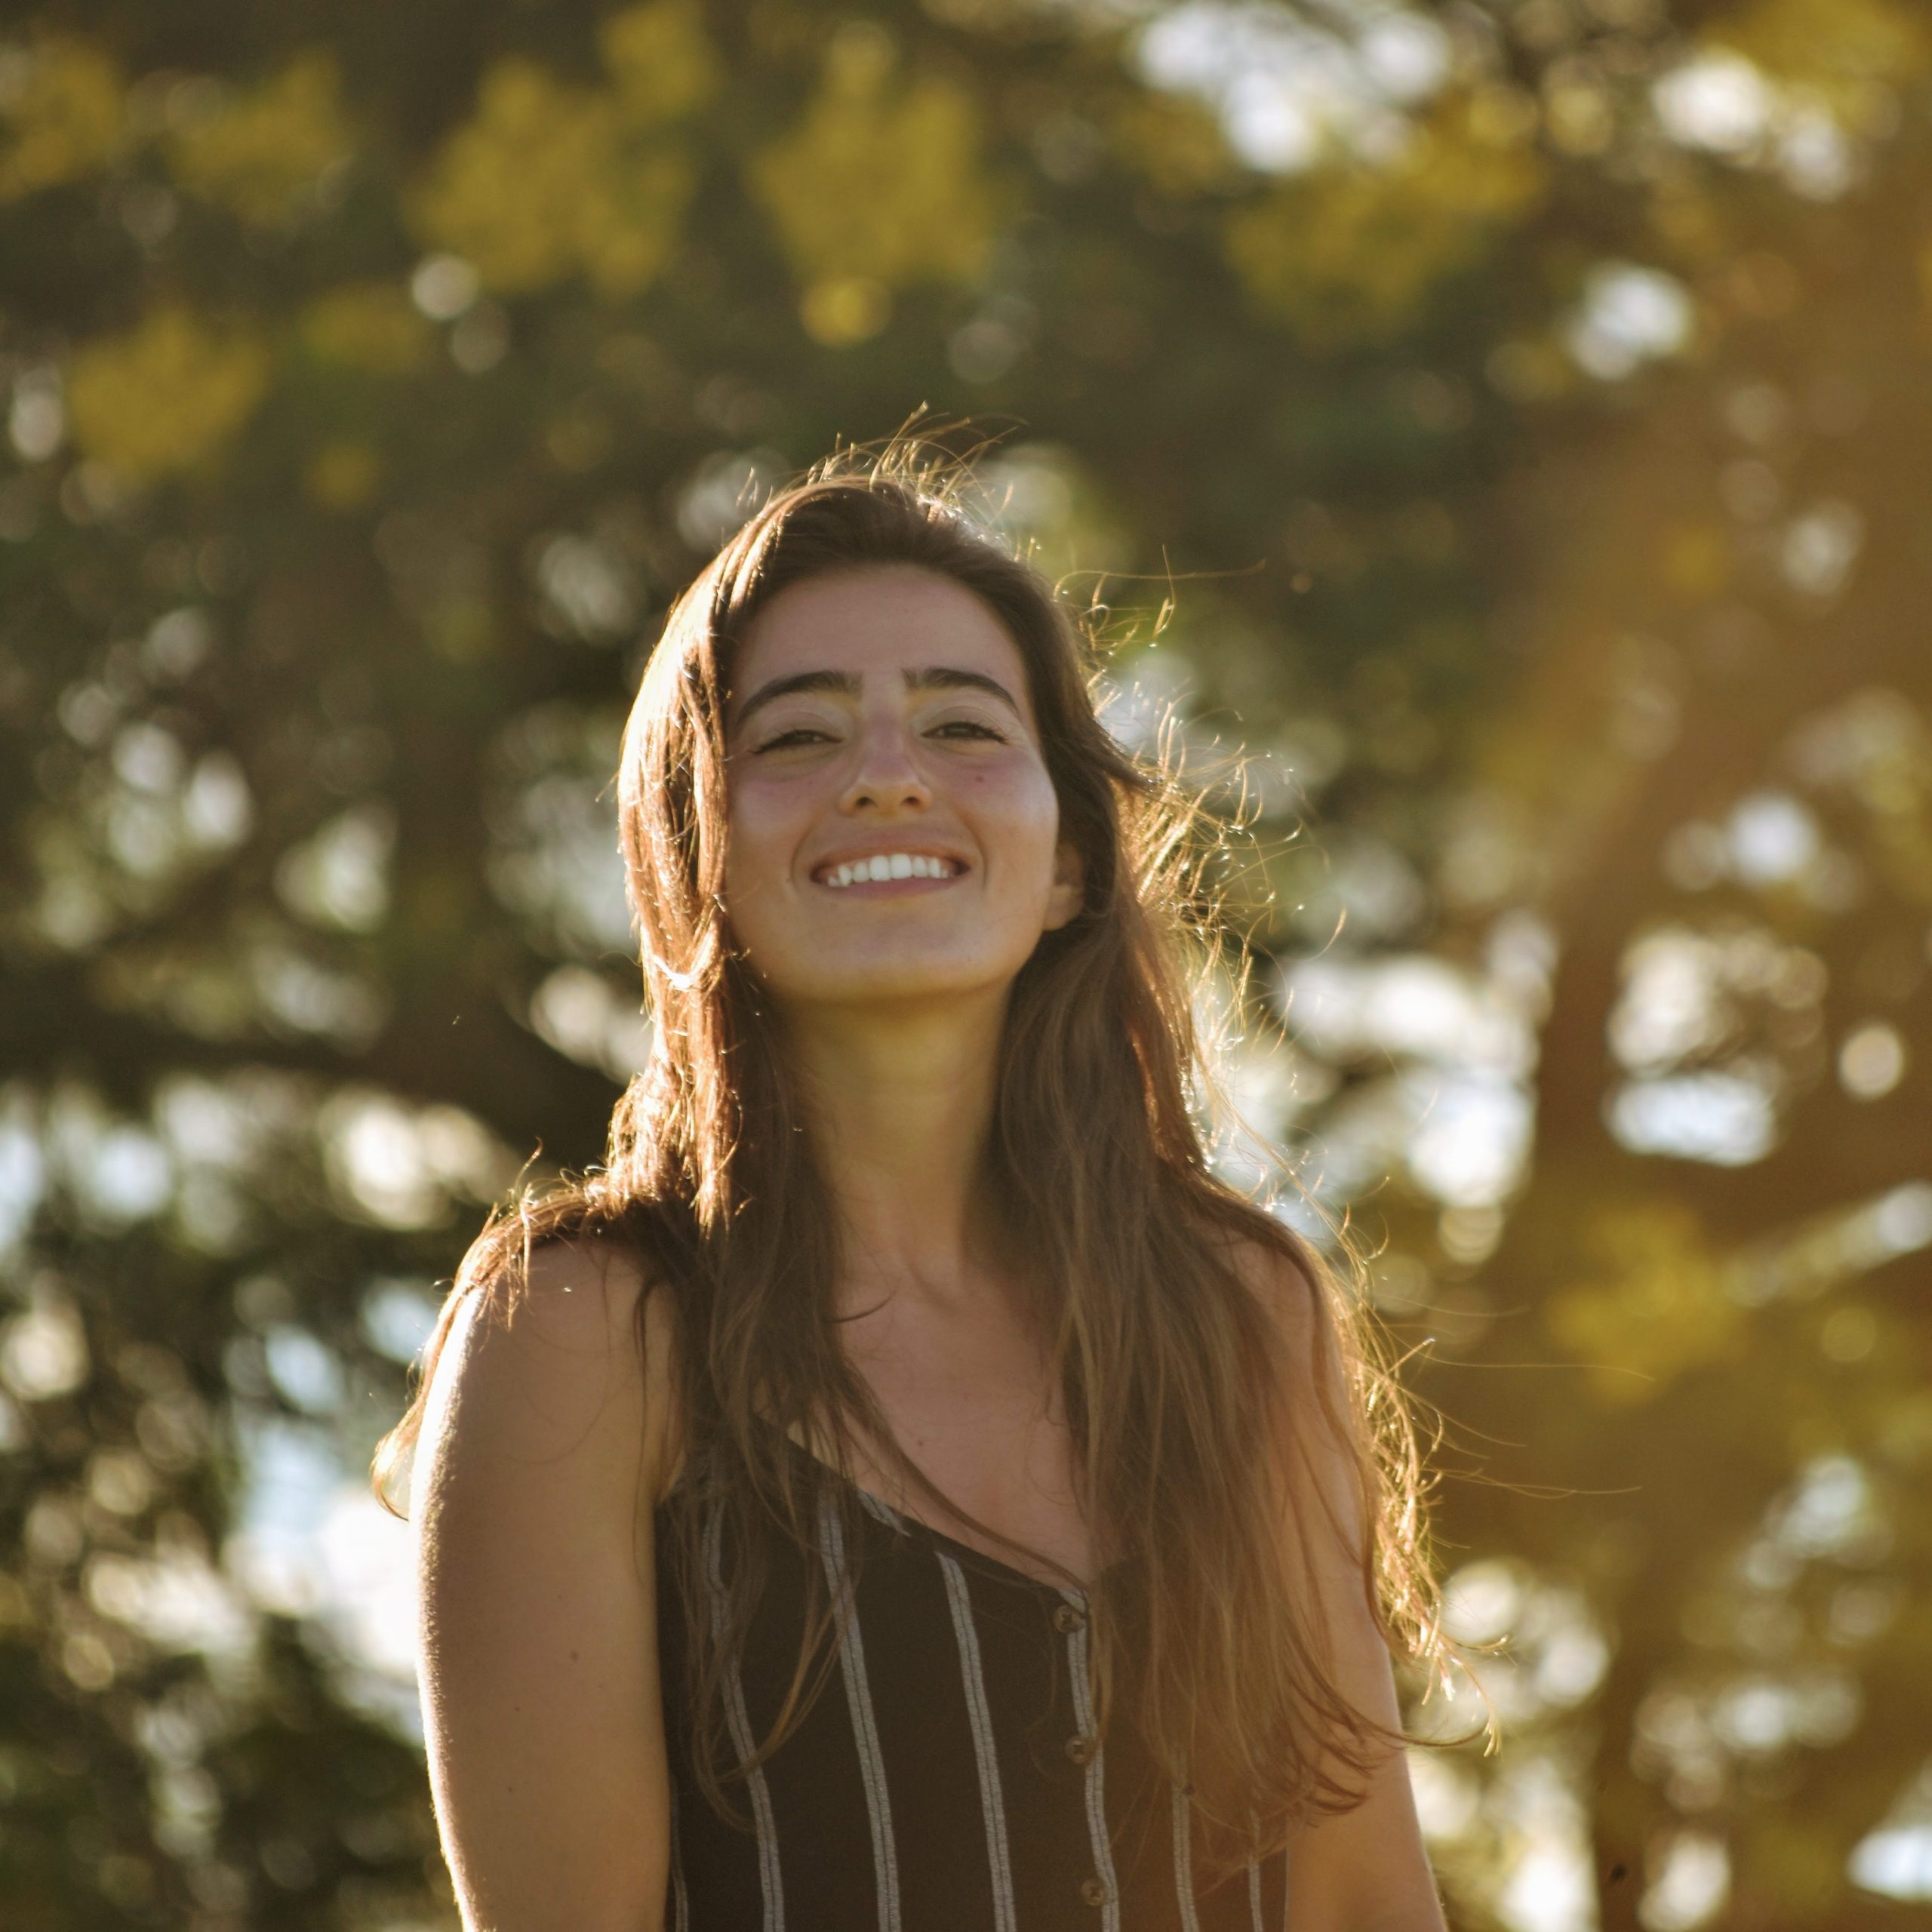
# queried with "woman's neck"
point(901, 1103)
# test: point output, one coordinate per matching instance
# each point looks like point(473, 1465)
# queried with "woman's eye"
point(972, 724)
point(797, 732)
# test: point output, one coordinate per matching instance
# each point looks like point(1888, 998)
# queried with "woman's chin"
point(899, 981)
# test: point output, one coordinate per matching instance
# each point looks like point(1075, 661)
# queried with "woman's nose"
point(886, 776)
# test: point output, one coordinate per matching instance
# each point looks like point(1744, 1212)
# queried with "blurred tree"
point(1524, 403)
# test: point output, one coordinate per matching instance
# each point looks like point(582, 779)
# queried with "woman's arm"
point(540, 1452)
point(1364, 1870)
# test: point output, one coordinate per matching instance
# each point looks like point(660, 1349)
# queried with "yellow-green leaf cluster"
point(879, 186)
point(660, 61)
point(1658, 1306)
point(1837, 49)
point(549, 178)
point(343, 475)
point(165, 395)
point(1351, 250)
point(256, 153)
point(1175, 142)
point(61, 115)
point(368, 325)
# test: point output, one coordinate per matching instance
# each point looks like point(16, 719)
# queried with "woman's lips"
point(888, 888)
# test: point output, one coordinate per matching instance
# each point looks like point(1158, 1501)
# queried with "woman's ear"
point(1070, 889)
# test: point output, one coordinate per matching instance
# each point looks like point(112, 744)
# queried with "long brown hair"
point(1171, 1368)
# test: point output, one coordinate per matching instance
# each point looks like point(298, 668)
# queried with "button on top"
point(1080, 1750)
point(1093, 1891)
point(1067, 1617)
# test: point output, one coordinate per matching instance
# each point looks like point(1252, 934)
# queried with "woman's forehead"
point(883, 618)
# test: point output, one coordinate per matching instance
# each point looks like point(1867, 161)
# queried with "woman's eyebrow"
point(846, 684)
point(945, 677)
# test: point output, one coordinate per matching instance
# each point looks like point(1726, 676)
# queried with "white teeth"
point(889, 865)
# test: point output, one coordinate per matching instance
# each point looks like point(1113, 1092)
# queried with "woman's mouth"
point(873, 873)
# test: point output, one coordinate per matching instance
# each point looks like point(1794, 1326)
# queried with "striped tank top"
point(948, 1778)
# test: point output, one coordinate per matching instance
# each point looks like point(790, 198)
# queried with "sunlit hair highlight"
point(1165, 1296)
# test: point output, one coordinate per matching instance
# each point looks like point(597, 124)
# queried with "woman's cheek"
point(750, 874)
point(760, 830)
point(1023, 808)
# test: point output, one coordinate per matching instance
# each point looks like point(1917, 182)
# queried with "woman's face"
point(879, 721)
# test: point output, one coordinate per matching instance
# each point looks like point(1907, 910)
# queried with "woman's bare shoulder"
point(582, 1287)
point(1272, 1271)
point(542, 1710)
point(566, 1337)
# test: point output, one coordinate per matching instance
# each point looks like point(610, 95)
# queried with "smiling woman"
point(907, 1337)
point(853, 756)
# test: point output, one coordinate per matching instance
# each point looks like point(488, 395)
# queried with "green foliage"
point(64, 118)
point(878, 186)
point(257, 152)
point(167, 393)
point(1349, 255)
point(1659, 1308)
point(550, 179)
